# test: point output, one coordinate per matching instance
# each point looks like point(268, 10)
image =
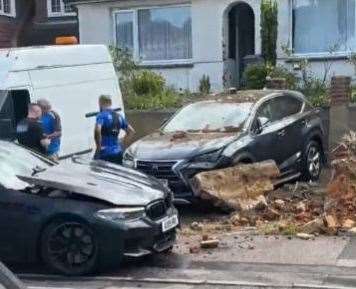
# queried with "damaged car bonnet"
point(100, 180)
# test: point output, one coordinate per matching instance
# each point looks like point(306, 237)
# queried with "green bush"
point(168, 98)
point(204, 85)
point(282, 72)
point(316, 91)
point(147, 82)
point(255, 76)
point(143, 89)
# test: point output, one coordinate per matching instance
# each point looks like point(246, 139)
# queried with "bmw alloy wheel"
point(70, 248)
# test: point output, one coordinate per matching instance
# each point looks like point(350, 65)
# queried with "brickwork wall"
point(340, 90)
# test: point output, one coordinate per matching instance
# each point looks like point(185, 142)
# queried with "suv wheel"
point(312, 162)
point(69, 248)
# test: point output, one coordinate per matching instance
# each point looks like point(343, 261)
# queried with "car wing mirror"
point(164, 121)
point(257, 128)
point(260, 123)
point(263, 121)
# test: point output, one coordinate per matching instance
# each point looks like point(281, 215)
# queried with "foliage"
point(125, 67)
point(353, 95)
point(283, 72)
point(316, 91)
point(148, 90)
point(123, 62)
point(168, 98)
point(142, 89)
point(147, 82)
point(255, 76)
point(204, 85)
point(269, 30)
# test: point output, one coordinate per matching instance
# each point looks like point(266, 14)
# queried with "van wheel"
point(69, 248)
point(312, 162)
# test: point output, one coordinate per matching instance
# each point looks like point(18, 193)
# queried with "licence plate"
point(170, 223)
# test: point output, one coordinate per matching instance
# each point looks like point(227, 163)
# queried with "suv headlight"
point(128, 160)
point(210, 157)
point(121, 214)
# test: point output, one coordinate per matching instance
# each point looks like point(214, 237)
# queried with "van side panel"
point(19, 79)
point(73, 92)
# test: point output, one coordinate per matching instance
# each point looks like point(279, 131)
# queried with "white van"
point(70, 77)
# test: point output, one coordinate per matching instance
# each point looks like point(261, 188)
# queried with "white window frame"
point(12, 8)
point(58, 14)
point(136, 52)
point(321, 55)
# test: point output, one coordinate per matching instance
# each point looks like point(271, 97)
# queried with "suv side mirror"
point(259, 124)
point(164, 121)
point(263, 121)
point(257, 127)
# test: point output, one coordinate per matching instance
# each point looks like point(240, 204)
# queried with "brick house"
point(35, 22)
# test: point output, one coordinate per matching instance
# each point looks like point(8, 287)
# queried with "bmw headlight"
point(121, 214)
point(128, 160)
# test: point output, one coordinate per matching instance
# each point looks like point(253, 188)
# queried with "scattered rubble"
point(196, 226)
point(348, 224)
point(305, 236)
point(194, 250)
point(237, 188)
point(209, 244)
point(352, 232)
point(314, 226)
point(304, 210)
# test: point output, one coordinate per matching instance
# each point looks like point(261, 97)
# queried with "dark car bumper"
point(135, 239)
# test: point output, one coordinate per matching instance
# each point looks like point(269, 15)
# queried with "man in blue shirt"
point(51, 123)
point(107, 130)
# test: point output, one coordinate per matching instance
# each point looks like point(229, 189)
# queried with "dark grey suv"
point(247, 127)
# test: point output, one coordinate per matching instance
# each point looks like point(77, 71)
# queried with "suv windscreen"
point(210, 116)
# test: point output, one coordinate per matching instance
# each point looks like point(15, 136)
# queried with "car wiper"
point(37, 170)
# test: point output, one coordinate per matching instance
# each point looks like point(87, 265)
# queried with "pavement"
point(243, 260)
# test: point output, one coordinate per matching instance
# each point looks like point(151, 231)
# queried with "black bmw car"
point(223, 131)
point(79, 216)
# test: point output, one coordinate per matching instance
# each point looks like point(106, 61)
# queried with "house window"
point(125, 30)
point(7, 7)
point(57, 8)
point(156, 34)
point(322, 26)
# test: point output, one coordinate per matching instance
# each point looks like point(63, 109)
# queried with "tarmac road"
point(243, 260)
point(326, 262)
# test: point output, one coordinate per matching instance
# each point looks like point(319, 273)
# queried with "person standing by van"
point(107, 130)
point(51, 123)
point(30, 132)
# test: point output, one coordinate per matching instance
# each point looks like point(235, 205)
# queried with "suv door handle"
point(281, 133)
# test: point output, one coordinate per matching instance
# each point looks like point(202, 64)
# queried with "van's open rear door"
point(7, 125)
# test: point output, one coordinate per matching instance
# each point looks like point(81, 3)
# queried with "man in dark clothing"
point(30, 133)
point(107, 130)
point(51, 124)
